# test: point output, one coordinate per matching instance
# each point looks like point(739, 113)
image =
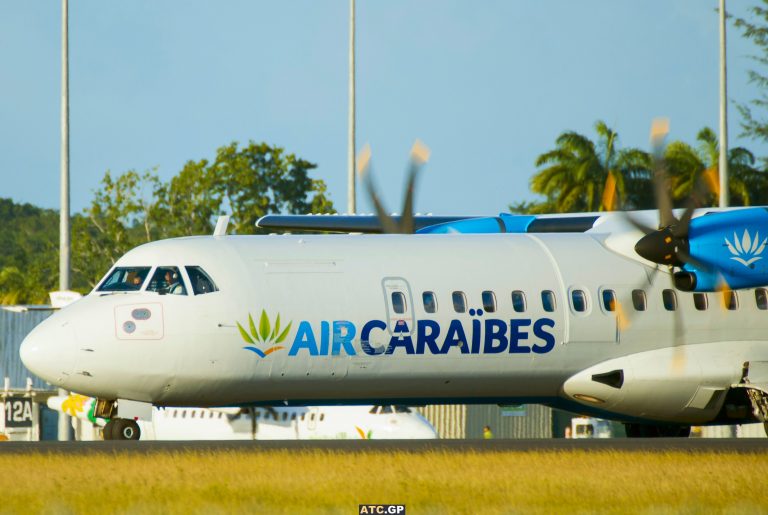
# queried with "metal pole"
point(351, 202)
point(723, 164)
point(64, 423)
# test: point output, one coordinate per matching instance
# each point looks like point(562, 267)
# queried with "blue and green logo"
point(266, 334)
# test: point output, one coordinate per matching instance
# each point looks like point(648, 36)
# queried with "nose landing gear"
point(121, 429)
point(116, 428)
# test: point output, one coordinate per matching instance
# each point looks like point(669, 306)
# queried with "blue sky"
point(487, 86)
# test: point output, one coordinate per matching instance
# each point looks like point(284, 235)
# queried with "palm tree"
point(687, 166)
point(580, 175)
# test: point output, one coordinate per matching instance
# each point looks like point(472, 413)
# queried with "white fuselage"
point(348, 344)
point(265, 423)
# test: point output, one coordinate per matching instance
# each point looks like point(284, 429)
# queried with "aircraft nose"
point(46, 351)
point(420, 428)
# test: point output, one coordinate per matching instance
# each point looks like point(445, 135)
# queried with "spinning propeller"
point(669, 243)
point(404, 224)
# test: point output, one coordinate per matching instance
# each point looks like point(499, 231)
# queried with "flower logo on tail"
point(74, 404)
point(267, 333)
point(746, 250)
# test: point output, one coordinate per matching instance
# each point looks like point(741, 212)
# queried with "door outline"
point(391, 285)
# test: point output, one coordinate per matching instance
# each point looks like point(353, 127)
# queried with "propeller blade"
point(624, 316)
point(679, 359)
point(609, 193)
point(703, 187)
point(712, 180)
point(419, 156)
point(659, 131)
point(388, 225)
point(685, 257)
point(638, 225)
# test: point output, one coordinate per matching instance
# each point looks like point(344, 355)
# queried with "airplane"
point(266, 423)
point(657, 319)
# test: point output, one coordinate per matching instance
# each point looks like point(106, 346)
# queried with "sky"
point(487, 86)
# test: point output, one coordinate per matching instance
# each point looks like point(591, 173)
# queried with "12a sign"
point(18, 412)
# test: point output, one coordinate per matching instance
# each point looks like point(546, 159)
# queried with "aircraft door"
point(312, 415)
point(399, 304)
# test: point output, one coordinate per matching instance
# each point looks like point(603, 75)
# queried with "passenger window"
point(518, 301)
point(700, 301)
point(430, 301)
point(285, 416)
point(125, 278)
point(201, 282)
point(730, 300)
point(398, 302)
point(459, 302)
point(579, 301)
point(761, 298)
point(167, 280)
point(293, 416)
point(638, 300)
point(489, 301)
point(322, 417)
point(670, 299)
point(609, 300)
point(548, 300)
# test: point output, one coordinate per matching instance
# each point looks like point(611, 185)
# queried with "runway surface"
point(693, 445)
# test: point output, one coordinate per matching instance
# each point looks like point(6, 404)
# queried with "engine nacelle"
point(683, 384)
point(732, 245)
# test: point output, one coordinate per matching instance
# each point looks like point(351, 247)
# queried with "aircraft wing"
point(463, 224)
point(343, 223)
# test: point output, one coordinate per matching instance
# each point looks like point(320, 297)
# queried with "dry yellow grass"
point(430, 482)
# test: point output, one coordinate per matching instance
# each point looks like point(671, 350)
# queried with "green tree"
point(29, 261)
point(123, 213)
point(577, 173)
point(134, 208)
point(260, 179)
point(189, 203)
point(755, 123)
point(687, 166)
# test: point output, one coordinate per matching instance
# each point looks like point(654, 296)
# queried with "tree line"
point(134, 208)
point(581, 174)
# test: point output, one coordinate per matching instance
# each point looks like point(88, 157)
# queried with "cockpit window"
point(201, 282)
point(399, 408)
point(167, 280)
point(125, 278)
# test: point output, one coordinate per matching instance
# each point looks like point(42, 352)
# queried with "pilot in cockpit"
point(175, 286)
point(167, 280)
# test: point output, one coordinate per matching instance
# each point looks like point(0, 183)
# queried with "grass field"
point(428, 482)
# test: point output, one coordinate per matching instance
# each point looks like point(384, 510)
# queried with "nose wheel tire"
point(121, 429)
point(106, 431)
